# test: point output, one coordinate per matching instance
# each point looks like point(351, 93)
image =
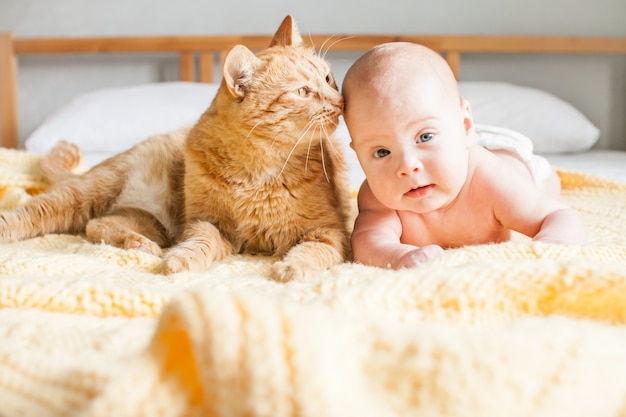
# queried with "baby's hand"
point(418, 255)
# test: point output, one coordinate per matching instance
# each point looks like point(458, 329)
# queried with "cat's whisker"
point(251, 130)
point(312, 124)
point(323, 56)
point(273, 142)
point(322, 153)
point(322, 120)
point(308, 152)
point(327, 135)
point(321, 52)
point(311, 40)
point(317, 126)
point(293, 149)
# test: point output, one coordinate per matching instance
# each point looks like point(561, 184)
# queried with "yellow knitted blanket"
point(512, 329)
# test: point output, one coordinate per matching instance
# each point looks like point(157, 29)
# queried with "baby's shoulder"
point(498, 165)
point(489, 171)
point(498, 178)
point(366, 199)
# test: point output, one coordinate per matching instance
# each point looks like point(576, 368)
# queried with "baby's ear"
point(468, 122)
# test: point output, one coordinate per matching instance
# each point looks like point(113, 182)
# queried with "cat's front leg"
point(201, 245)
point(308, 259)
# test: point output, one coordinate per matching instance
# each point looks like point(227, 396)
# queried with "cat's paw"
point(306, 261)
point(67, 154)
point(302, 272)
point(125, 240)
point(182, 259)
point(143, 244)
point(174, 263)
point(203, 246)
point(60, 161)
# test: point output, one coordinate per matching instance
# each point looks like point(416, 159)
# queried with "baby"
point(429, 184)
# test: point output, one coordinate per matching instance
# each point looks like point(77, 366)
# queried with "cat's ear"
point(239, 66)
point(287, 34)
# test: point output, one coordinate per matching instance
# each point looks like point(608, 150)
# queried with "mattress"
point(609, 164)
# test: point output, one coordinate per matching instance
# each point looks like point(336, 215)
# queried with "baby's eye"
point(381, 153)
point(303, 91)
point(425, 137)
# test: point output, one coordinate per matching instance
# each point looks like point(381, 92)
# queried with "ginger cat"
point(258, 173)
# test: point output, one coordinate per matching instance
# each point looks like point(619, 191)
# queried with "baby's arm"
point(376, 237)
point(531, 210)
point(562, 226)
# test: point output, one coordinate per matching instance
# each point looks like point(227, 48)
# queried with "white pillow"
point(552, 124)
point(108, 121)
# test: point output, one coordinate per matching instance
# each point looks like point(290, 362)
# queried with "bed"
point(515, 329)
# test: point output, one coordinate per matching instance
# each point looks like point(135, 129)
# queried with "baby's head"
point(390, 69)
point(408, 123)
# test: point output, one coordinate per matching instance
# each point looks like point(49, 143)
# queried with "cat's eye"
point(425, 137)
point(302, 92)
point(381, 153)
point(329, 79)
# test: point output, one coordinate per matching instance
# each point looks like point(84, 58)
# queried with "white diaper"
point(497, 138)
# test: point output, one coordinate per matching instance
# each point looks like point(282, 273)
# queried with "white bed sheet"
point(604, 163)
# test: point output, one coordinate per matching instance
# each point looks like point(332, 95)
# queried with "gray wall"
point(594, 84)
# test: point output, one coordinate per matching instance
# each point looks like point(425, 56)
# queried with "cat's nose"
point(338, 103)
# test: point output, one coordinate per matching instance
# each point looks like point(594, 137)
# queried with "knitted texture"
point(515, 329)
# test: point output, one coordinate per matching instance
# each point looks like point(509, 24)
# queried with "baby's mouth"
point(419, 192)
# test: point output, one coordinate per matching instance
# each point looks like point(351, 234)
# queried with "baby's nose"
point(409, 164)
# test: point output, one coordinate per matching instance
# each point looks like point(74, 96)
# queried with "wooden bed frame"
point(210, 49)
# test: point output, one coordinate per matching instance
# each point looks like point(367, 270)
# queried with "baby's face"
point(412, 141)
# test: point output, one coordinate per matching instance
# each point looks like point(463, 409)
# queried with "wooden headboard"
point(211, 49)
